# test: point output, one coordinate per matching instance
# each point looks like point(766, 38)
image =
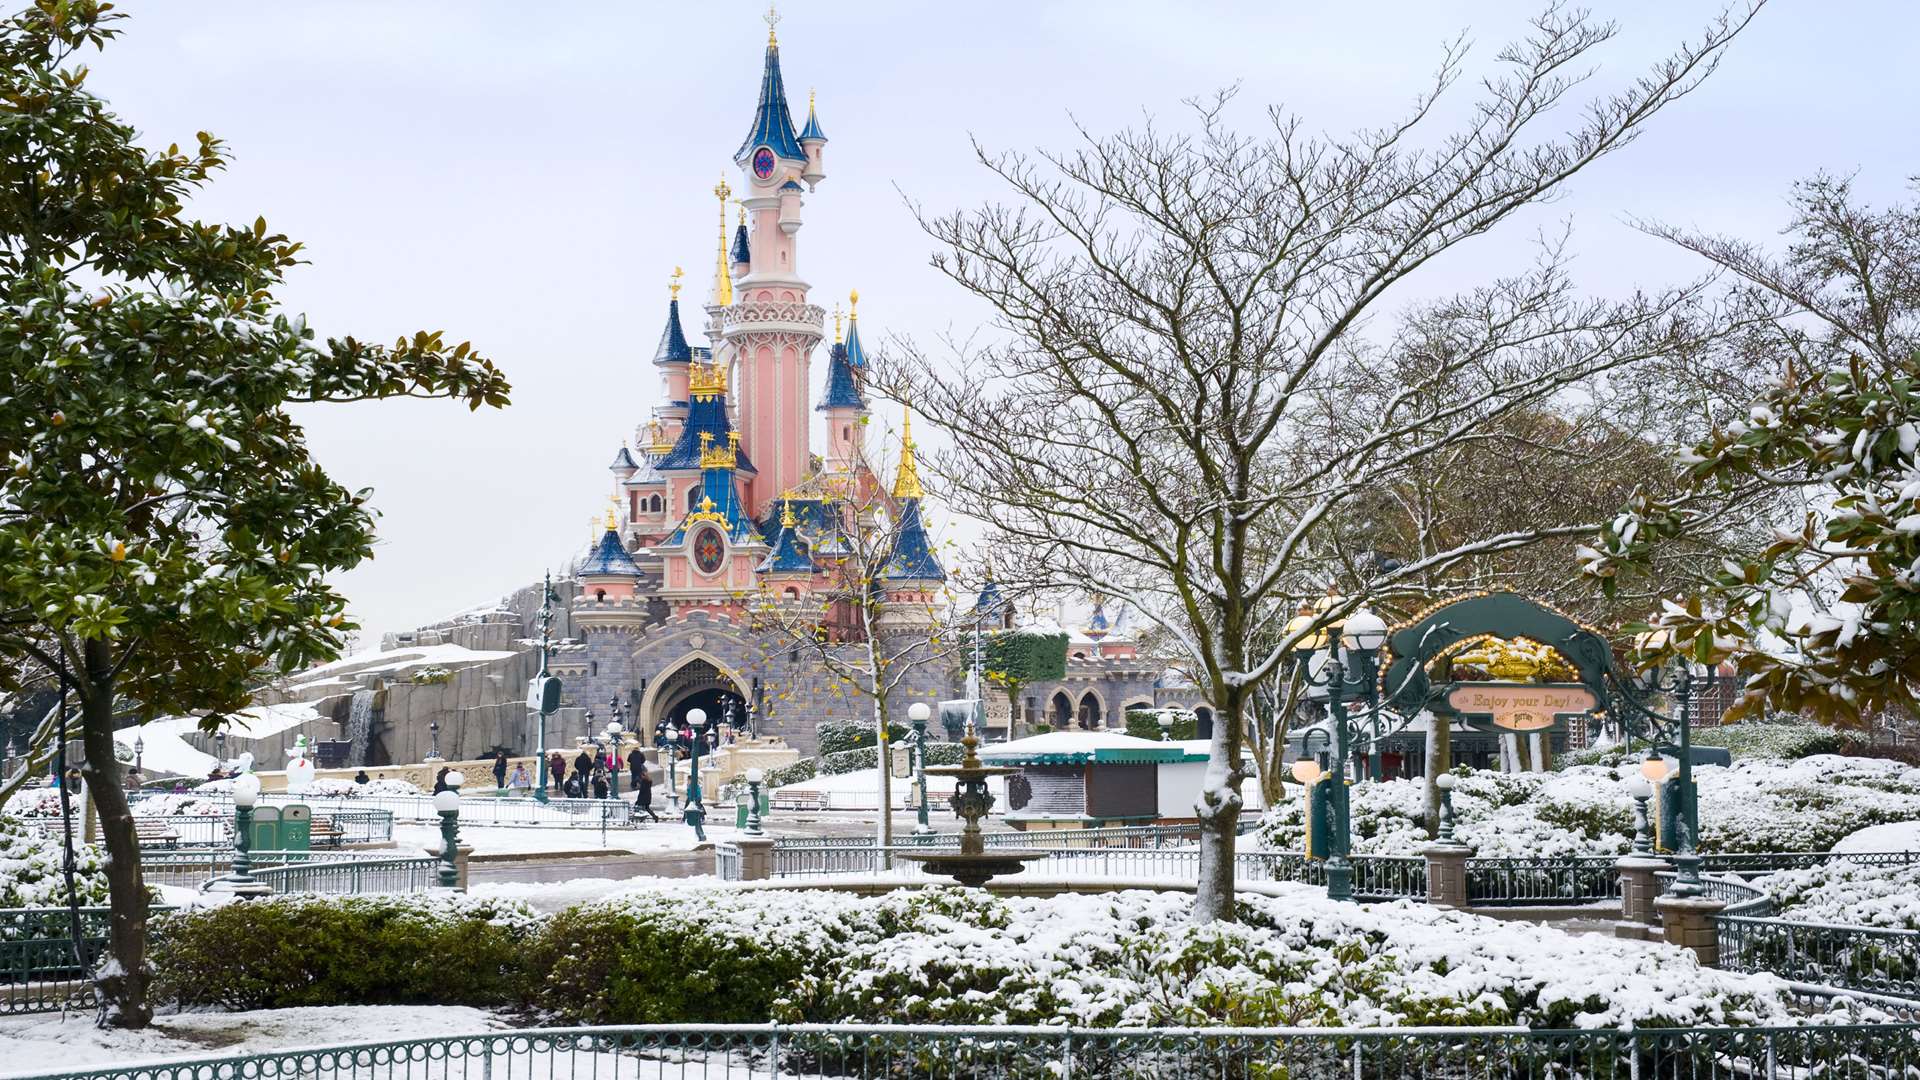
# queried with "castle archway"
point(1060, 710)
point(698, 681)
point(1092, 715)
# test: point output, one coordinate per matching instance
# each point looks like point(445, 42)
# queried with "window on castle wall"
point(793, 593)
point(600, 595)
point(693, 498)
point(593, 667)
point(846, 432)
point(656, 504)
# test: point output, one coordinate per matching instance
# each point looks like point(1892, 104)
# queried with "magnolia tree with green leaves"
point(1824, 612)
point(165, 536)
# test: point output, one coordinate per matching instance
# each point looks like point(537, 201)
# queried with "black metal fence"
point(41, 969)
point(861, 1052)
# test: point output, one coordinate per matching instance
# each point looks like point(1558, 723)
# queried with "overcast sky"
point(528, 182)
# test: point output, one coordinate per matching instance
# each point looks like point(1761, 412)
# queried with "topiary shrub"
point(1783, 742)
point(30, 866)
point(352, 950)
point(838, 736)
point(846, 761)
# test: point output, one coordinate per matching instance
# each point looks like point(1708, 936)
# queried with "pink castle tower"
point(769, 329)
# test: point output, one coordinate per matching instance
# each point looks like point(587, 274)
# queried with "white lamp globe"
point(1166, 721)
point(614, 728)
point(1364, 631)
point(1638, 787)
point(456, 778)
point(446, 801)
point(1654, 769)
point(696, 717)
point(1445, 781)
point(1306, 770)
point(246, 791)
point(918, 711)
point(755, 776)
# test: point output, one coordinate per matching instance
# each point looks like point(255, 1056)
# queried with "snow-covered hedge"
point(1754, 805)
point(1122, 959)
point(30, 868)
point(1751, 739)
point(1849, 893)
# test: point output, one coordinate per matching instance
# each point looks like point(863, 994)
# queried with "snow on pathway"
point(667, 835)
point(55, 1043)
point(1893, 836)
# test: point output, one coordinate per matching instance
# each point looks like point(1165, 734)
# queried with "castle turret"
point(845, 408)
point(911, 566)
point(814, 142)
point(608, 572)
point(770, 329)
point(672, 358)
point(788, 563)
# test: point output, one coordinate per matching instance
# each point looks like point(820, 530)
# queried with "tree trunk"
point(121, 980)
point(1218, 810)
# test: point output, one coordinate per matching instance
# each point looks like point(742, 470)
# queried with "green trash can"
point(296, 827)
point(740, 808)
point(266, 829)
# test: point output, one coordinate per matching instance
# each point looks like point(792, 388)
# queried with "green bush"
point(1145, 724)
point(358, 950)
point(653, 959)
point(1785, 742)
point(804, 769)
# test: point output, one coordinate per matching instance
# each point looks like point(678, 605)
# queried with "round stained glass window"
point(763, 163)
point(709, 551)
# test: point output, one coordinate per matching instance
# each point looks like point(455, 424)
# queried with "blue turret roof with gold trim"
point(842, 391)
point(673, 340)
point(813, 129)
point(912, 556)
point(706, 416)
point(772, 122)
point(719, 500)
point(609, 559)
point(789, 554)
point(856, 356)
point(742, 250)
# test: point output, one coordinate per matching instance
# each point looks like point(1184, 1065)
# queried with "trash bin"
point(296, 827)
point(266, 829)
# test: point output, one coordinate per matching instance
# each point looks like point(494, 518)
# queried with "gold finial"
point(706, 380)
point(742, 207)
point(810, 93)
point(786, 513)
point(906, 481)
point(673, 284)
point(853, 298)
point(706, 439)
point(773, 17)
point(836, 324)
point(613, 515)
point(733, 440)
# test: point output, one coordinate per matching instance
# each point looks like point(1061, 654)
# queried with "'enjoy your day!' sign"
point(1520, 706)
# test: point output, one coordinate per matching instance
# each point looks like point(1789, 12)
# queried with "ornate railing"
point(1862, 958)
point(353, 876)
point(1561, 880)
point(474, 810)
point(911, 1052)
point(41, 969)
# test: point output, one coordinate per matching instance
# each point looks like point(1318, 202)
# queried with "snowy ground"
point(164, 751)
point(668, 835)
point(54, 1043)
point(860, 790)
point(1893, 836)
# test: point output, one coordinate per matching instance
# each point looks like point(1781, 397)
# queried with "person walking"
point(556, 769)
point(636, 765)
point(500, 770)
point(599, 783)
point(643, 788)
point(519, 781)
point(440, 780)
point(584, 766)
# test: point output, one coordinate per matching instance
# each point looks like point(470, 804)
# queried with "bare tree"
point(879, 614)
point(1170, 307)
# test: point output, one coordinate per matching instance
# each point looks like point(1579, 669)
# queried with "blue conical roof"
point(912, 558)
point(842, 391)
point(856, 356)
point(742, 251)
point(789, 554)
point(673, 340)
point(610, 559)
point(719, 502)
point(991, 601)
point(623, 461)
point(812, 130)
point(706, 413)
point(772, 123)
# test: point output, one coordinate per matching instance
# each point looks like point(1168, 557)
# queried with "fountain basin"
point(969, 868)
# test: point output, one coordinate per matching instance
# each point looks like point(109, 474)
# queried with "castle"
point(721, 497)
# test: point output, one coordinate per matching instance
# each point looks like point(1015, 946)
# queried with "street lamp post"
point(1445, 782)
point(1640, 790)
point(1353, 644)
point(1677, 682)
point(433, 741)
point(1166, 726)
point(239, 880)
point(754, 778)
point(447, 802)
point(139, 753)
point(696, 813)
point(918, 713)
point(614, 731)
point(546, 693)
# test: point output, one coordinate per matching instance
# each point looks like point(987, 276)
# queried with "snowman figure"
point(299, 767)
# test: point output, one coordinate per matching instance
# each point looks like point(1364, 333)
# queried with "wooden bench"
point(155, 832)
point(325, 833)
point(783, 799)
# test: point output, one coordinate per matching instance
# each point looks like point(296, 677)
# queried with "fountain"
point(360, 727)
point(972, 864)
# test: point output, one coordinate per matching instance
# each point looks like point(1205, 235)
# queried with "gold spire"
point(836, 324)
point(786, 513)
point(772, 16)
point(613, 514)
point(673, 284)
point(722, 275)
point(657, 437)
point(853, 298)
point(906, 482)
